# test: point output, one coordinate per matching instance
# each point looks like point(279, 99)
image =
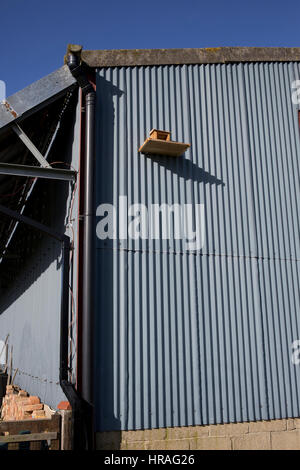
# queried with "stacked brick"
point(18, 405)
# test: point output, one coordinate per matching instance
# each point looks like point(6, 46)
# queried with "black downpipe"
point(80, 439)
point(88, 253)
point(87, 334)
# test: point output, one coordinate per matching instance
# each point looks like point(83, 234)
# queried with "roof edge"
point(35, 96)
point(213, 55)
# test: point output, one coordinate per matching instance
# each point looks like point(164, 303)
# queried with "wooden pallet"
point(34, 434)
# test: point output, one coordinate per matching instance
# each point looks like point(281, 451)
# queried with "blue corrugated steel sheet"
point(203, 336)
point(30, 315)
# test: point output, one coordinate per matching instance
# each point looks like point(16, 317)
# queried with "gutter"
point(208, 55)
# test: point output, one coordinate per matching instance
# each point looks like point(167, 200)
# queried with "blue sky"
point(34, 33)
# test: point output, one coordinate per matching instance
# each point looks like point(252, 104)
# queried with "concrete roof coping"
point(214, 55)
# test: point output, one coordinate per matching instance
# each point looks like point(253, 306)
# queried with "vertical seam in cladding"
point(125, 95)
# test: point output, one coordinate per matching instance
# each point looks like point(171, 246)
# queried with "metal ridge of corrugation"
point(204, 336)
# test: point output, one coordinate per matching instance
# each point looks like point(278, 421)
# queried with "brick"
point(23, 402)
point(266, 426)
point(34, 400)
point(145, 435)
point(289, 440)
point(38, 414)
point(258, 441)
point(64, 405)
point(139, 435)
point(290, 424)
point(200, 431)
point(18, 399)
point(214, 443)
point(32, 407)
point(178, 433)
point(123, 445)
point(108, 440)
point(193, 444)
point(177, 444)
point(26, 415)
point(155, 445)
point(297, 423)
point(157, 434)
point(135, 445)
point(230, 429)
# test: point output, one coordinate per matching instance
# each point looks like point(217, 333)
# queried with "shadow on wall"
point(186, 169)
point(41, 253)
point(106, 401)
point(112, 399)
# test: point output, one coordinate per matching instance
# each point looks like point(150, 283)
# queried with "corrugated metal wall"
point(196, 337)
point(30, 314)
